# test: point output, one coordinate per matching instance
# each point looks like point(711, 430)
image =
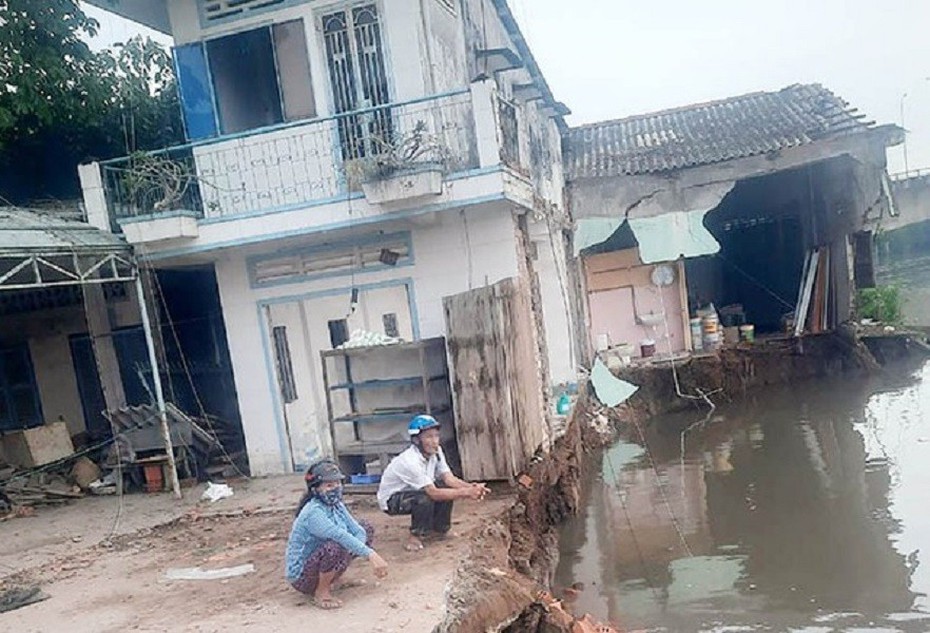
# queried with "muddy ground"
point(101, 585)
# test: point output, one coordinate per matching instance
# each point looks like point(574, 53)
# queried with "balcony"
point(392, 153)
point(327, 172)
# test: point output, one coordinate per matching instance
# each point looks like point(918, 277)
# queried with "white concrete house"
point(389, 151)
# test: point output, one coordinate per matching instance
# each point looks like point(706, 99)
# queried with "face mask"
point(332, 497)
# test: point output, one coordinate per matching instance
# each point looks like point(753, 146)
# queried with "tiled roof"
point(708, 133)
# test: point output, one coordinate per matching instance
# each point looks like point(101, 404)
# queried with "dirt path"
point(120, 585)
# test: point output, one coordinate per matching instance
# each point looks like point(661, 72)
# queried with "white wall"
point(444, 265)
point(554, 286)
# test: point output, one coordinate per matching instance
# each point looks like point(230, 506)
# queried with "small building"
point(348, 165)
point(70, 333)
point(731, 202)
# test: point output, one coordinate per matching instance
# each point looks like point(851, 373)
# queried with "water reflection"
point(804, 509)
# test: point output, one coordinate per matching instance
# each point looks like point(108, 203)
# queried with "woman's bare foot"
point(414, 544)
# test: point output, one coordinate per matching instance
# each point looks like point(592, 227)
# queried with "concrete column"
point(486, 127)
point(101, 334)
point(95, 200)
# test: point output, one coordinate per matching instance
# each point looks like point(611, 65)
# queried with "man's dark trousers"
point(426, 515)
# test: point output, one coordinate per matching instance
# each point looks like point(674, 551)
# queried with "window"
point(389, 321)
point(19, 397)
point(261, 77)
point(355, 57)
point(282, 355)
point(331, 260)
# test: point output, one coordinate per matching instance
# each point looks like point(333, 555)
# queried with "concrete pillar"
point(95, 200)
point(101, 334)
point(486, 127)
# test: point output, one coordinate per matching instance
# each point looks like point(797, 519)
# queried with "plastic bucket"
point(747, 333)
point(712, 341)
point(711, 324)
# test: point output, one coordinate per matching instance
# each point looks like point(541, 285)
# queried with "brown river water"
point(804, 509)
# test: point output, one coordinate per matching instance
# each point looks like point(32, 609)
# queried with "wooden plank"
point(497, 393)
point(806, 290)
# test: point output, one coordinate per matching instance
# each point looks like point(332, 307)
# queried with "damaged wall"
point(627, 306)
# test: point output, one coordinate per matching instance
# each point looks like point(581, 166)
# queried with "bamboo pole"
point(159, 393)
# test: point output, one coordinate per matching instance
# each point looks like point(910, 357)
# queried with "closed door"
point(300, 330)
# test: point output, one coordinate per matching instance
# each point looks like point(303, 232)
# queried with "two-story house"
point(348, 164)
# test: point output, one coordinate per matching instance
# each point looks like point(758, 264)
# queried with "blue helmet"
point(421, 423)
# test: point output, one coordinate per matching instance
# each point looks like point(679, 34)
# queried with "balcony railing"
point(295, 164)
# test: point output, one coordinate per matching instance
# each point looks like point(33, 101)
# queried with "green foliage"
point(883, 304)
point(62, 103)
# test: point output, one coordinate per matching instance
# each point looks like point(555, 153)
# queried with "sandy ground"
point(101, 585)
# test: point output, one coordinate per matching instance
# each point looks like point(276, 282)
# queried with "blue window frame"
point(195, 90)
point(19, 397)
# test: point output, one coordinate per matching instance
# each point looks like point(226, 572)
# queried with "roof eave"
point(150, 13)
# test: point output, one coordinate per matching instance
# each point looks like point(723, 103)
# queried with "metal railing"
point(293, 164)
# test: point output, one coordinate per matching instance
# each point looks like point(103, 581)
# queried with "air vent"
point(223, 10)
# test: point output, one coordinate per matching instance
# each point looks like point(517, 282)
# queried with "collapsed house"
point(755, 204)
point(76, 354)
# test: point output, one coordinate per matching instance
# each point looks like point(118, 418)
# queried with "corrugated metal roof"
point(28, 231)
point(748, 125)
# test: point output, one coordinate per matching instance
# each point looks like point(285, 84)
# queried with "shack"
point(760, 203)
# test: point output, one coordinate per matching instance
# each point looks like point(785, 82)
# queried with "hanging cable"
point(183, 356)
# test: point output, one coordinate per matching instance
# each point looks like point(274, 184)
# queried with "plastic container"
point(697, 334)
point(712, 341)
point(564, 404)
point(710, 326)
point(747, 333)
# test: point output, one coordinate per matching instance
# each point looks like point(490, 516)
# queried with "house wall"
point(551, 266)
point(47, 334)
point(453, 252)
point(912, 202)
point(620, 289)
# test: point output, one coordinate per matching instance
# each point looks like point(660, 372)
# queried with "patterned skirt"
point(330, 557)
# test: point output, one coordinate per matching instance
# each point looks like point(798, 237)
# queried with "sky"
point(612, 58)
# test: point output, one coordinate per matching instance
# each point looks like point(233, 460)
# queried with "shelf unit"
point(373, 392)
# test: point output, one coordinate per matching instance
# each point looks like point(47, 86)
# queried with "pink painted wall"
point(619, 288)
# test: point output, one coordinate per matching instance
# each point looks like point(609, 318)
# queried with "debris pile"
point(24, 488)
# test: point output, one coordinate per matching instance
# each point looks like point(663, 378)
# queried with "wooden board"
point(497, 392)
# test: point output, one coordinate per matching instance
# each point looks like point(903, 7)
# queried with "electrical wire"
point(184, 361)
